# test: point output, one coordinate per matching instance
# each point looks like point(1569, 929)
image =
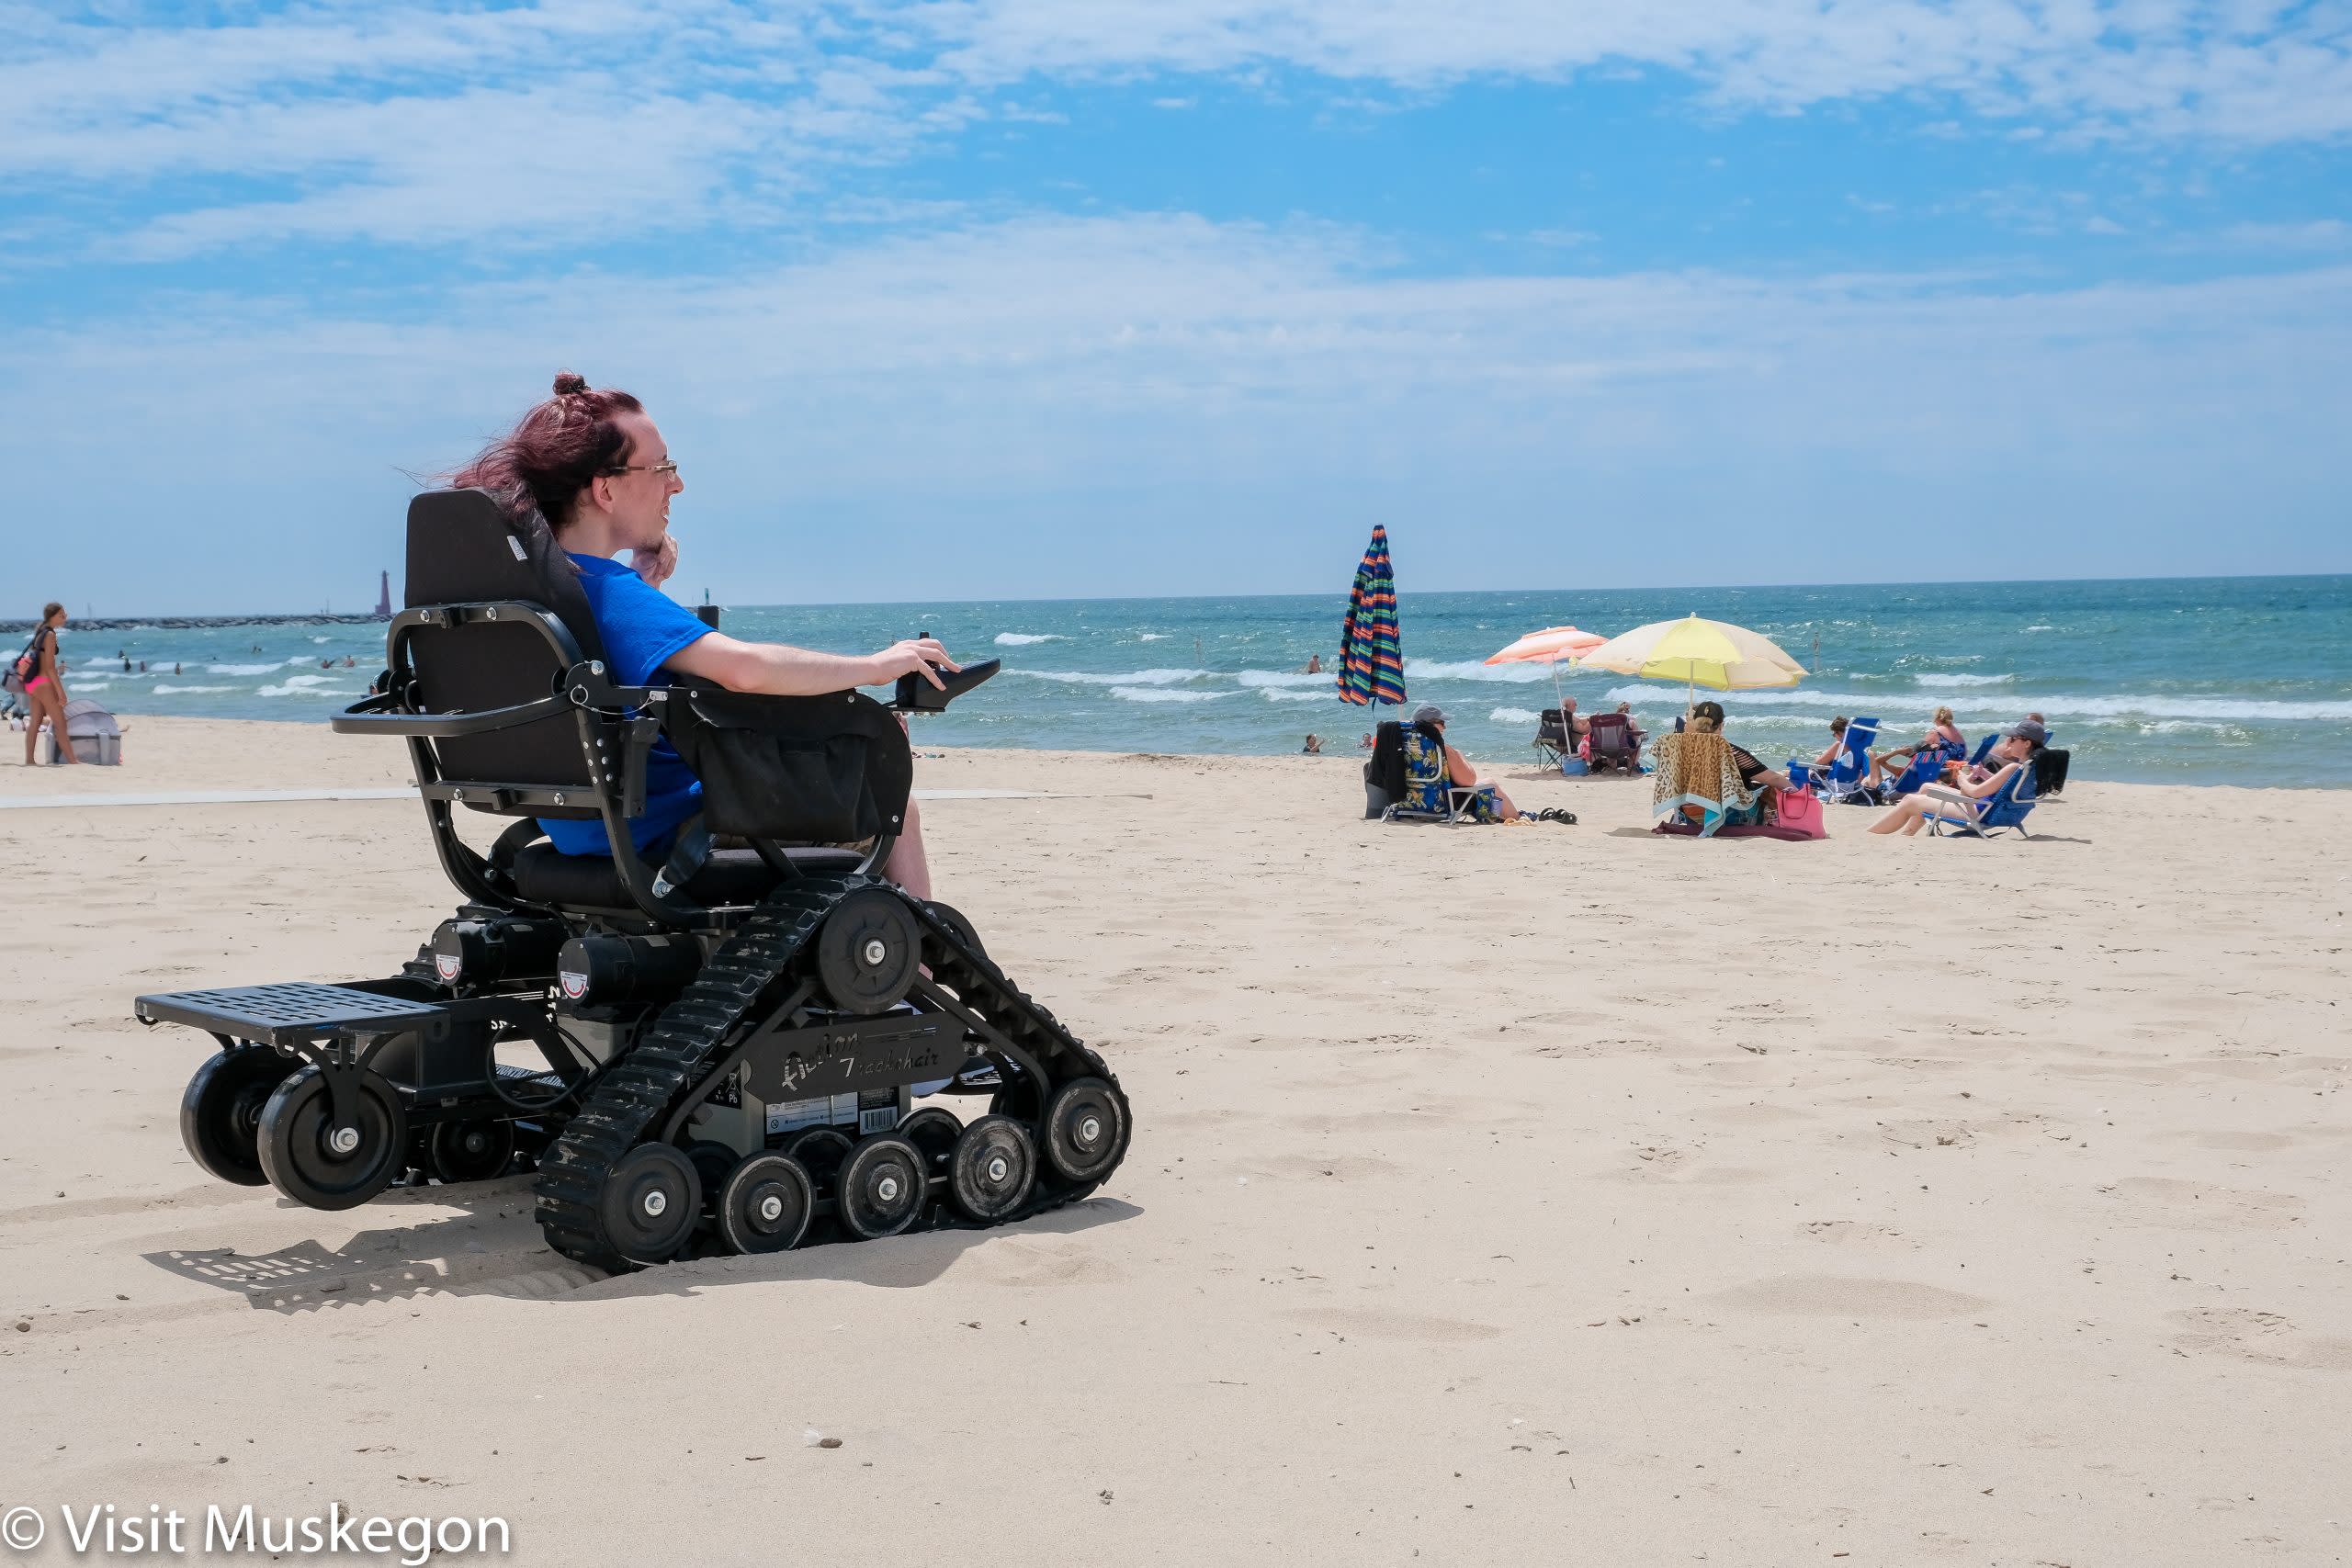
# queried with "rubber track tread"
point(634, 1095)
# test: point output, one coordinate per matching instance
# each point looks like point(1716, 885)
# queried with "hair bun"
point(567, 383)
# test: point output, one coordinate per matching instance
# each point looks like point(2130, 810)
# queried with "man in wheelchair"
point(594, 467)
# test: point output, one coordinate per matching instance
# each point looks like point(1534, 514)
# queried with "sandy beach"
point(1497, 1194)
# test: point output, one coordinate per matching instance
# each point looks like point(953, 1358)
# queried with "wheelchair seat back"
point(463, 549)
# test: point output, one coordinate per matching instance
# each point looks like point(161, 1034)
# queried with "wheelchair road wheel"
point(1086, 1129)
point(990, 1171)
point(651, 1199)
point(323, 1164)
point(220, 1112)
point(882, 1187)
point(766, 1204)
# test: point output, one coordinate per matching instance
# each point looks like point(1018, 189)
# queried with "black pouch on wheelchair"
point(830, 770)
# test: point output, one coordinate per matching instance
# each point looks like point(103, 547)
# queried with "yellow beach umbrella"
point(1697, 652)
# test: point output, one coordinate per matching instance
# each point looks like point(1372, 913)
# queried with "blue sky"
point(1046, 298)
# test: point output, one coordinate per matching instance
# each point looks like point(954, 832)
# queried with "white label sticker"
point(447, 964)
point(575, 984)
point(516, 544)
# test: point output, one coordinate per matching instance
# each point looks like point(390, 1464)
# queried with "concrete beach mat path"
point(1497, 1194)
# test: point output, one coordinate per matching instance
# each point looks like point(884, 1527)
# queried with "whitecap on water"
point(1127, 678)
point(1514, 716)
point(1318, 693)
point(1517, 674)
point(162, 690)
point(1161, 694)
point(1022, 640)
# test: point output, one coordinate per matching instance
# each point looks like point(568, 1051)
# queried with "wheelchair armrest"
point(381, 715)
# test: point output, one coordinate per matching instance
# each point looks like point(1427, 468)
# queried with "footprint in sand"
point(2253, 1336)
point(1831, 1296)
point(2199, 1206)
point(1371, 1322)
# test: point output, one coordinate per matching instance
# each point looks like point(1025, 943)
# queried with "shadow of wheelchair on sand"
point(492, 1247)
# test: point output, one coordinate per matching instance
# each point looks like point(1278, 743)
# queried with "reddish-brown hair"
point(554, 451)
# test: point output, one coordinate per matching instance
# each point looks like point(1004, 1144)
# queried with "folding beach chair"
point(1415, 794)
point(1925, 766)
point(1612, 744)
point(1552, 740)
point(2006, 808)
point(1848, 774)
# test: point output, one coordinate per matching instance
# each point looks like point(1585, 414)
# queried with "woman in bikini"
point(45, 687)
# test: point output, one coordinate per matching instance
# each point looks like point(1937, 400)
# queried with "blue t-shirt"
point(643, 627)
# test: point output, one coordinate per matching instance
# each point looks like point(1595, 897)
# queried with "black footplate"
point(290, 1014)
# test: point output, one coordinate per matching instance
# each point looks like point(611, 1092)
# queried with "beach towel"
point(1697, 768)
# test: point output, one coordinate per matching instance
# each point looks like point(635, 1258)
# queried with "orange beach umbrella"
point(1549, 646)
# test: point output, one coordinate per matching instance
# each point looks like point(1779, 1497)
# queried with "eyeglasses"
point(665, 468)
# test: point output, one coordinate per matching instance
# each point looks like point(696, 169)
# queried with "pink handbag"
point(1801, 814)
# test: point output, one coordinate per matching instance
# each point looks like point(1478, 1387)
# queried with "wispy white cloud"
point(406, 121)
point(1248, 382)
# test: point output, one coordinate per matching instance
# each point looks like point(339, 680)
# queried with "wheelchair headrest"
point(463, 549)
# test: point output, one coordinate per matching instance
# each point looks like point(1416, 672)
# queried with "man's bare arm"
point(778, 670)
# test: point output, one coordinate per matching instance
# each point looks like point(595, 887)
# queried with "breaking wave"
point(1472, 669)
point(1022, 640)
point(1124, 678)
point(1162, 694)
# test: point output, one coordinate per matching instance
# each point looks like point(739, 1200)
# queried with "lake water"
point(2198, 681)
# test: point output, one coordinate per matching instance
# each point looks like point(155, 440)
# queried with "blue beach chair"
point(1849, 774)
point(1984, 749)
point(1926, 765)
point(2006, 808)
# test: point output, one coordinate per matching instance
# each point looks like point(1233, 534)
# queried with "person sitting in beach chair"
point(1970, 799)
point(1849, 774)
point(1613, 744)
point(1700, 776)
point(1554, 738)
point(1943, 741)
point(1440, 784)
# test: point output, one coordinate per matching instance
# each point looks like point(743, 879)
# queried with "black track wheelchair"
point(724, 1045)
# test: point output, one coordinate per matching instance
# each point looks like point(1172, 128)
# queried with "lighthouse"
point(384, 597)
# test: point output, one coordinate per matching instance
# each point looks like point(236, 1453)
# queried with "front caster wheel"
point(882, 1188)
point(649, 1201)
point(220, 1112)
point(989, 1173)
point(766, 1204)
point(1086, 1130)
point(323, 1161)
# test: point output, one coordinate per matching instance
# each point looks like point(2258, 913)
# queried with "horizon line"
point(364, 617)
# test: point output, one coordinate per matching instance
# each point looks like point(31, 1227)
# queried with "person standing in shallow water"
point(45, 686)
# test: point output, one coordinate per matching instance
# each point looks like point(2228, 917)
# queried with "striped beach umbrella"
point(1372, 657)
